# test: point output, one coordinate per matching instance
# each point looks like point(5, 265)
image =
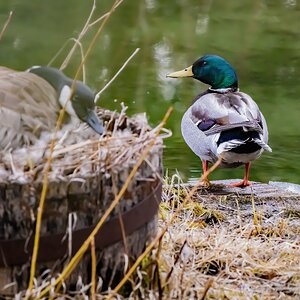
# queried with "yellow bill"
point(187, 72)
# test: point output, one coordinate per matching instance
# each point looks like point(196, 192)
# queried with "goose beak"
point(93, 120)
point(187, 72)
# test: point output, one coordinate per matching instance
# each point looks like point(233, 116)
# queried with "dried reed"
point(6, 24)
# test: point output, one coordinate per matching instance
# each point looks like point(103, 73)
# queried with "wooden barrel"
point(83, 181)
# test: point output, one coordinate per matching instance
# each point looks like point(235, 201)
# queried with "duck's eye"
point(185, 69)
point(204, 63)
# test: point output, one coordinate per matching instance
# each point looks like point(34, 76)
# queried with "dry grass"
point(79, 152)
point(222, 246)
point(225, 248)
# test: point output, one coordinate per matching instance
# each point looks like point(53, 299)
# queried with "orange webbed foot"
point(245, 182)
point(241, 184)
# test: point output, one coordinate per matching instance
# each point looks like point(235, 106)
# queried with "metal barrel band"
point(13, 253)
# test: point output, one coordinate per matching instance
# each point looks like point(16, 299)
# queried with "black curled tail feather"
point(247, 140)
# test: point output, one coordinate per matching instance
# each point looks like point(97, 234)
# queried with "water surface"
point(260, 38)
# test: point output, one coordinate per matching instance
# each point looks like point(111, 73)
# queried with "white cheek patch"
point(64, 100)
point(32, 68)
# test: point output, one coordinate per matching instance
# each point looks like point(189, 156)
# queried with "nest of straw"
point(80, 152)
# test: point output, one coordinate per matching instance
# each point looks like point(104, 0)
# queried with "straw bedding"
point(231, 246)
point(79, 152)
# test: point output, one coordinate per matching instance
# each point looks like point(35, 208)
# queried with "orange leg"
point(245, 182)
point(204, 166)
point(205, 180)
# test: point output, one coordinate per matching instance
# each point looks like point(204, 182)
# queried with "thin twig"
point(117, 74)
point(91, 45)
point(82, 57)
point(158, 280)
point(76, 42)
point(102, 17)
point(208, 285)
point(175, 263)
point(80, 36)
point(93, 262)
point(41, 206)
point(115, 192)
point(6, 24)
point(87, 26)
point(59, 52)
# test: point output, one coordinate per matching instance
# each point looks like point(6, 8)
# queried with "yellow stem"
point(41, 207)
point(6, 24)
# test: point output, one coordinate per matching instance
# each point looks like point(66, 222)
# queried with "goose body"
point(223, 122)
point(30, 102)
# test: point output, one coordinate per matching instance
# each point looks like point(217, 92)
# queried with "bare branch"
point(116, 75)
point(6, 24)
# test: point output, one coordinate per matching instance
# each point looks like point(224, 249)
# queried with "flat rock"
point(257, 189)
point(272, 199)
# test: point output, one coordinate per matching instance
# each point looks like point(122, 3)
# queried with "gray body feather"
point(224, 111)
point(28, 106)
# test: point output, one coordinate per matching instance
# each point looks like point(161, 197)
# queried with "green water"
point(260, 38)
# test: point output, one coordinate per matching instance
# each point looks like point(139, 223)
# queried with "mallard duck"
point(222, 121)
point(31, 100)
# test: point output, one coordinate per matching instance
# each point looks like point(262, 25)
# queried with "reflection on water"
point(162, 56)
point(260, 38)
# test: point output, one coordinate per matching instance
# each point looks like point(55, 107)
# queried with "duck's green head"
point(210, 69)
point(78, 103)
